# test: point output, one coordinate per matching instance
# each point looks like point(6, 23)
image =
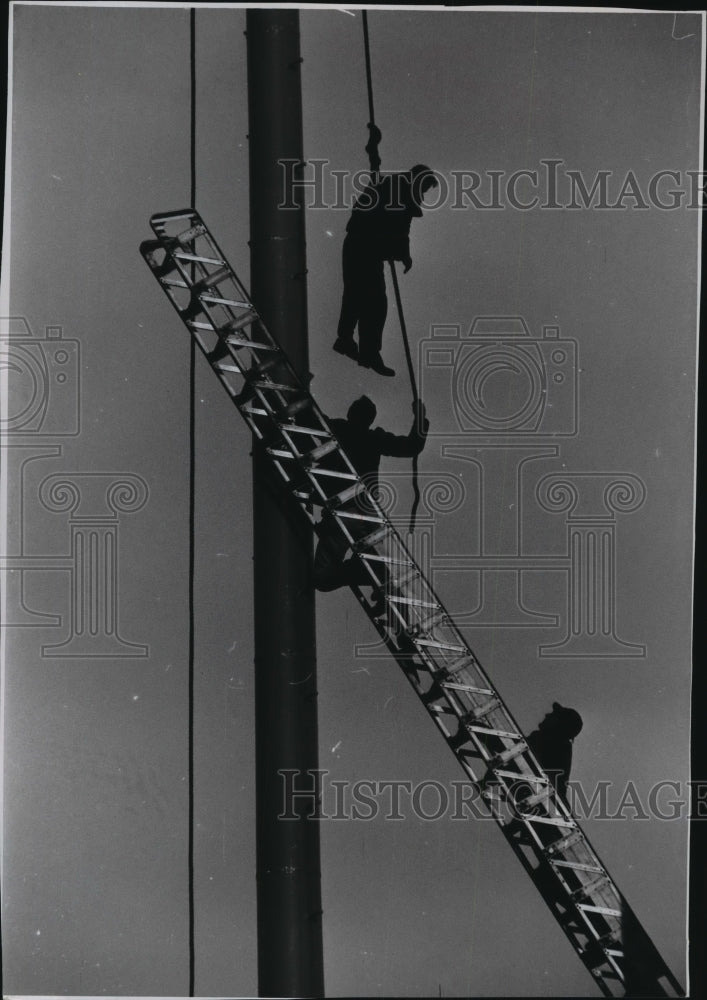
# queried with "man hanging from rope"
point(378, 230)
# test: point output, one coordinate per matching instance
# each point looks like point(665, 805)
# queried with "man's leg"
point(374, 309)
point(329, 569)
point(373, 316)
point(350, 302)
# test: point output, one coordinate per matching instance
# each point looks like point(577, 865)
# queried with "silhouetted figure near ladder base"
point(364, 447)
point(551, 743)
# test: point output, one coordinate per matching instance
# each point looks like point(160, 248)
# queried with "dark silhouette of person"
point(364, 445)
point(551, 743)
point(378, 230)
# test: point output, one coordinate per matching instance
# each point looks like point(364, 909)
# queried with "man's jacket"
point(365, 448)
point(381, 217)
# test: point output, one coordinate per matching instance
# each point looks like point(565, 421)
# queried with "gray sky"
point(96, 748)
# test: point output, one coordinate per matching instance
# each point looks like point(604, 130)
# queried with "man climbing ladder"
point(378, 230)
point(365, 447)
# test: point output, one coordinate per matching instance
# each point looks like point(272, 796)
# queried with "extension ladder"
point(438, 663)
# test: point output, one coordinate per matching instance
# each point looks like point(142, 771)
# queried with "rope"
point(372, 144)
point(415, 394)
point(192, 469)
point(375, 162)
point(369, 78)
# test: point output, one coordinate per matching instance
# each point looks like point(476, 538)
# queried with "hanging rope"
point(374, 138)
point(192, 469)
point(369, 78)
point(375, 162)
point(415, 395)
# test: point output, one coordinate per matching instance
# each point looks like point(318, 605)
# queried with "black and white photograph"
point(348, 381)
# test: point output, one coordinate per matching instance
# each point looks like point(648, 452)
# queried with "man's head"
point(362, 412)
point(565, 722)
point(423, 178)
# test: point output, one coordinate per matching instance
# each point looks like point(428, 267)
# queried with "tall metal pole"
point(288, 859)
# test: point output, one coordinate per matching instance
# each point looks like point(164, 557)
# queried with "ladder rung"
point(210, 280)
point(385, 559)
point(506, 756)
point(591, 887)
point(254, 345)
point(161, 218)
point(609, 940)
point(351, 515)
point(280, 453)
point(176, 282)
point(334, 473)
point(537, 797)
point(195, 324)
point(440, 709)
point(319, 452)
point(518, 776)
point(347, 494)
point(556, 820)
point(454, 686)
point(217, 300)
point(298, 429)
point(493, 732)
point(190, 234)
point(234, 325)
point(606, 910)
point(296, 406)
point(412, 574)
point(561, 845)
point(412, 602)
point(432, 621)
point(256, 411)
point(373, 539)
point(225, 366)
point(467, 660)
point(235, 341)
point(183, 255)
point(575, 865)
point(482, 710)
point(436, 644)
point(264, 366)
point(274, 386)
